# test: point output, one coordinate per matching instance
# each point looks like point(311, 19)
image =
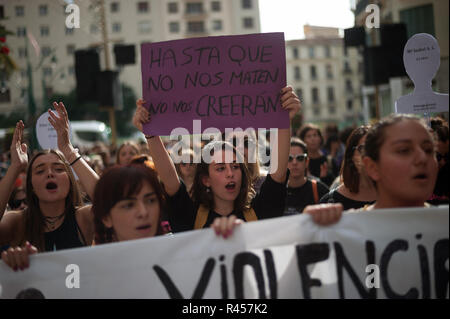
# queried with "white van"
point(86, 133)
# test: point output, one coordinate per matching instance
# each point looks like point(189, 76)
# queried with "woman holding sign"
point(222, 188)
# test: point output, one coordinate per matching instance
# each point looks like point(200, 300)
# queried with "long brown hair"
point(117, 183)
point(202, 196)
point(349, 172)
point(33, 220)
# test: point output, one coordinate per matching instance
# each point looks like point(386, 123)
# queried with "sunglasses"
point(299, 157)
point(17, 202)
point(359, 148)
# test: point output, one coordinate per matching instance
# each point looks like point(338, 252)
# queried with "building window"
point(23, 52)
point(311, 52)
point(349, 105)
point(316, 111)
point(115, 7)
point(313, 72)
point(248, 23)
point(194, 7)
point(45, 31)
point(347, 68)
point(332, 109)
point(142, 7)
point(348, 86)
point(315, 95)
point(330, 94)
point(299, 93)
point(217, 25)
point(215, 6)
point(45, 51)
point(327, 51)
point(70, 49)
point(297, 74)
point(329, 71)
point(47, 71)
point(69, 31)
point(2, 12)
point(144, 27)
point(21, 32)
point(295, 53)
point(43, 10)
point(246, 4)
point(174, 27)
point(20, 11)
point(172, 7)
point(116, 27)
point(196, 27)
point(71, 70)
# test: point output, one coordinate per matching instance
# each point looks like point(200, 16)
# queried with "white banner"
point(377, 254)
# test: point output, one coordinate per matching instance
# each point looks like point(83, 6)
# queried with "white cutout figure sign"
point(421, 57)
point(46, 134)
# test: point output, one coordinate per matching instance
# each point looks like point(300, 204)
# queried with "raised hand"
point(61, 124)
point(290, 101)
point(19, 157)
point(325, 214)
point(141, 115)
point(224, 226)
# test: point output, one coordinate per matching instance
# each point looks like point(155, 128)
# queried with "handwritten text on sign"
point(226, 82)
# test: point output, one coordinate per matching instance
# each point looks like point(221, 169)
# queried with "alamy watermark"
point(245, 141)
point(373, 18)
point(73, 19)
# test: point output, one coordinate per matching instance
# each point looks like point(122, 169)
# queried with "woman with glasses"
point(356, 189)
point(302, 191)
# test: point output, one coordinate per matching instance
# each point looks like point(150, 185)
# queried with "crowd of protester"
point(139, 191)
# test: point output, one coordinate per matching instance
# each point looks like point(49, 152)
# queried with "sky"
point(289, 16)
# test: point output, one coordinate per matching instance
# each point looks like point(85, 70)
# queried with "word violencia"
point(309, 254)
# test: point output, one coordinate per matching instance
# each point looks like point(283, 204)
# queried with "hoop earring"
point(208, 189)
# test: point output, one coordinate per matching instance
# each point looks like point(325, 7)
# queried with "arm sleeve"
point(271, 199)
point(181, 210)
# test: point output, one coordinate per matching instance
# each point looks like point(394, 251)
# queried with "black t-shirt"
point(268, 203)
point(314, 169)
point(300, 197)
point(335, 197)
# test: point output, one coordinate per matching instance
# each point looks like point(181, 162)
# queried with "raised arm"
point(88, 177)
point(163, 162)
point(291, 103)
point(19, 161)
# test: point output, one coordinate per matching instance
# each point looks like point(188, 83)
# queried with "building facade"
point(419, 16)
point(43, 22)
point(326, 77)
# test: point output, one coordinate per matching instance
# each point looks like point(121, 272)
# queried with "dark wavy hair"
point(117, 183)
point(200, 193)
point(34, 222)
point(349, 172)
point(308, 127)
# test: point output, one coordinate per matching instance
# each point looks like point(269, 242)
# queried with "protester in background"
point(18, 199)
point(186, 169)
point(104, 152)
point(302, 191)
point(221, 188)
point(318, 165)
point(126, 152)
point(357, 189)
point(441, 191)
point(333, 150)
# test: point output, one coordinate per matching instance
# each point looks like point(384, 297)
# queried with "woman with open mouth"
point(222, 187)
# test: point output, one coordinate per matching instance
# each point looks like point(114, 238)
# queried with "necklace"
point(50, 221)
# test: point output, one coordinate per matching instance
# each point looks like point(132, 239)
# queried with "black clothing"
point(441, 190)
point(335, 197)
point(65, 236)
point(314, 169)
point(299, 197)
point(268, 203)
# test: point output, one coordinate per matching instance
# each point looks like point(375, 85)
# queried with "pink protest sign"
point(226, 82)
